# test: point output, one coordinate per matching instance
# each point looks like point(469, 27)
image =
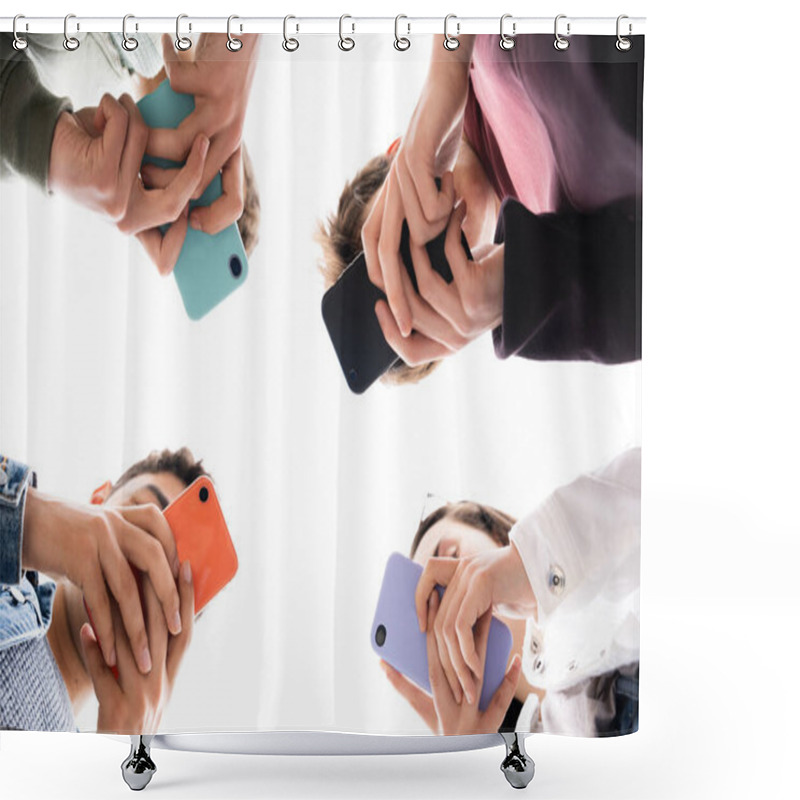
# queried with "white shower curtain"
point(105, 366)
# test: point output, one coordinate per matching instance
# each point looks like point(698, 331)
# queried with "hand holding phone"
point(209, 267)
point(397, 639)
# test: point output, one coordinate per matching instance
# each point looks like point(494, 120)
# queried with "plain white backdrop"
point(720, 601)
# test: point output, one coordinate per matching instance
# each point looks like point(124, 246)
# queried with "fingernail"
point(187, 571)
point(204, 142)
point(176, 626)
point(195, 222)
point(176, 565)
point(112, 657)
point(145, 662)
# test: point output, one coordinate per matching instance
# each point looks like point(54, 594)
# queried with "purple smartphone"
point(397, 639)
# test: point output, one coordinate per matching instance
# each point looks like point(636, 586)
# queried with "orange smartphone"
point(202, 537)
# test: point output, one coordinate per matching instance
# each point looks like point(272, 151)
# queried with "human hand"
point(94, 548)
point(134, 703)
point(427, 151)
point(445, 317)
point(475, 587)
point(95, 159)
point(442, 713)
point(220, 82)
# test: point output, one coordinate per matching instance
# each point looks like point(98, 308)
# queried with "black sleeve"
point(572, 284)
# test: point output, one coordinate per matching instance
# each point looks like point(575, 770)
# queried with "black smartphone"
point(348, 309)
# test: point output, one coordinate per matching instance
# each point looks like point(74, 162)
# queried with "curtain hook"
point(20, 42)
point(71, 43)
point(401, 43)
point(129, 43)
point(233, 44)
point(182, 43)
point(290, 44)
point(623, 44)
point(507, 42)
point(346, 43)
point(451, 42)
point(560, 42)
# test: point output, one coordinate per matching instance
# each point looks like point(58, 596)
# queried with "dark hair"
point(340, 238)
point(250, 218)
point(181, 463)
point(494, 523)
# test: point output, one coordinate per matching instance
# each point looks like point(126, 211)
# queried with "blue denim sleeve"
point(14, 481)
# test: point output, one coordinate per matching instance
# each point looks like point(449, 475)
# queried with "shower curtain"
point(493, 442)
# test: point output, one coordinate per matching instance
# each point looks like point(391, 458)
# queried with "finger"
point(157, 631)
point(437, 634)
point(223, 146)
point(436, 203)
point(467, 636)
point(498, 706)
point(135, 144)
point(179, 644)
point(427, 322)
point(420, 228)
point(453, 600)
point(150, 519)
point(441, 296)
point(114, 127)
point(421, 702)
point(99, 610)
point(389, 258)
point(370, 234)
point(147, 554)
point(165, 249)
point(453, 248)
point(155, 177)
point(184, 74)
point(415, 349)
point(122, 583)
point(440, 687)
point(154, 207)
point(105, 685)
point(437, 572)
point(226, 209)
point(128, 673)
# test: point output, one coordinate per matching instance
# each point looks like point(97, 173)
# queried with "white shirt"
point(581, 551)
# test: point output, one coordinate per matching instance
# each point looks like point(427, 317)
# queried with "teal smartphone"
point(209, 267)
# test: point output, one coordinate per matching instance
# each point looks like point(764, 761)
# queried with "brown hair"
point(181, 463)
point(340, 238)
point(250, 219)
point(494, 523)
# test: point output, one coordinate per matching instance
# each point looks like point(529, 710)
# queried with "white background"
point(720, 604)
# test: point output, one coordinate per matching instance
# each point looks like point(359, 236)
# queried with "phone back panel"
point(405, 646)
point(209, 267)
point(202, 537)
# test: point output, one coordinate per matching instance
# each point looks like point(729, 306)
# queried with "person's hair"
point(340, 238)
point(494, 523)
point(181, 463)
point(251, 210)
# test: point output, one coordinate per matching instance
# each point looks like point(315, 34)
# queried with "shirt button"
point(556, 580)
point(538, 665)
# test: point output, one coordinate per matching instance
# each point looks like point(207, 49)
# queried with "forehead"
point(470, 539)
point(144, 488)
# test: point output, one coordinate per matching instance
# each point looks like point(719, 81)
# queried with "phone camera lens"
point(235, 265)
point(352, 375)
point(203, 494)
point(380, 635)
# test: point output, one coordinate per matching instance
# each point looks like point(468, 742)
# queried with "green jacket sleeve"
point(28, 114)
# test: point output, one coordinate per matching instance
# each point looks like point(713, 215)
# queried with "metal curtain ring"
point(70, 42)
point(289, 44)
point(182, 42)
point(20, 42)
point(401, 43)
point(560, 42)
point(233, 44)
point(507, 42)
point(451, 42)
point(346, 43)
point(623, 43)
point(129, 43)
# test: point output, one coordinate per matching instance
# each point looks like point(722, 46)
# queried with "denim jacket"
point(26, 601)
